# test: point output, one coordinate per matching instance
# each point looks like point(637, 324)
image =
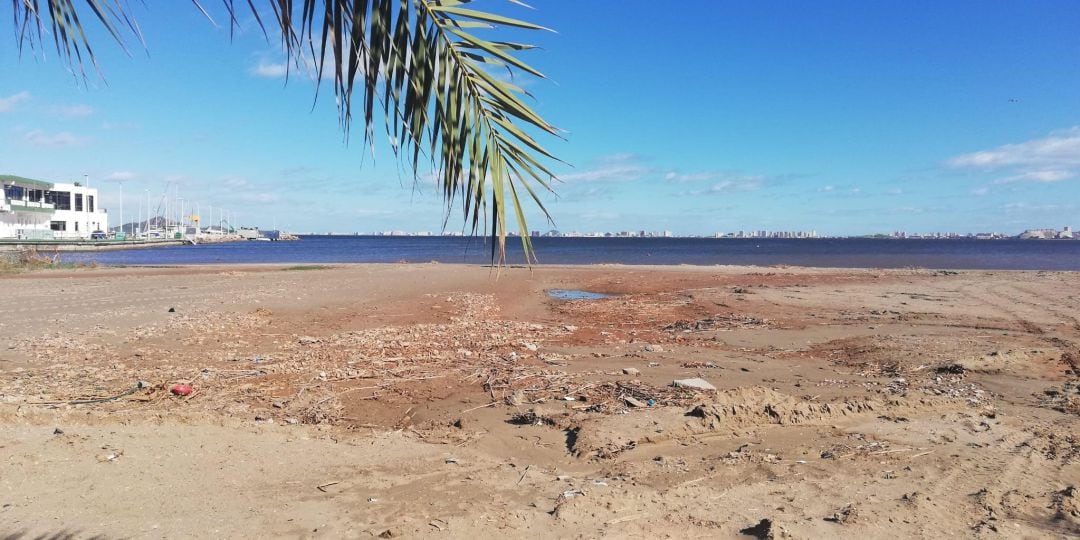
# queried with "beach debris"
point(1067, 503)
point(652, 348)
point(721, 322)
point(847, 514)
point(762, 530)
point(58, 431)
point(278, 404)
point(570, 328)
point(322, 487)
point(700, 365)
point(696, 383)
point(631, 371)
point(1065, 398)
point(952, 368)
point(111, 456)
point(451, 460)
point(523, 474)
point(478, 407)
point(533, 417)
point(180, 389)
point(307, 340)
point(516, 399)
point(172, 310)
point(139, 385)
point(531, 347)
point(633, 402)
point(571, 493)
point(1071, 362)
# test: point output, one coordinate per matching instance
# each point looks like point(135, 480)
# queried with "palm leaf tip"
point(422, 61)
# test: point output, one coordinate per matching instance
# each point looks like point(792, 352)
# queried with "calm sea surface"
point(839, 253)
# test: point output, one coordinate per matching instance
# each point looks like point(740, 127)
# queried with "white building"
point(38, 210)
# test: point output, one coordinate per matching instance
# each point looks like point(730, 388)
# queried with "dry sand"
point(438, 401)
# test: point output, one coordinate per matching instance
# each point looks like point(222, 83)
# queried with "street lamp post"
point(121, 182)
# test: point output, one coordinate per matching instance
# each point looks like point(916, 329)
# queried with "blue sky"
point(695, 117)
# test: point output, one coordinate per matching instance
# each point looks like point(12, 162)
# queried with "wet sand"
point(428, 400)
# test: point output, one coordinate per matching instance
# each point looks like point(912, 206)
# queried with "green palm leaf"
point(421, 61)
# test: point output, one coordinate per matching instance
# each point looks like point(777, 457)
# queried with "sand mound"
point(607, 437)
point(759, 405)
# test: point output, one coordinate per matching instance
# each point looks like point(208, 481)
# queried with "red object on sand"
point(180, 389)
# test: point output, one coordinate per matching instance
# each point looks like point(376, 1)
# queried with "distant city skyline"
point(845, 118)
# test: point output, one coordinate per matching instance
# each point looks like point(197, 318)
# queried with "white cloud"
point(741, 183)
point(270, 70)
point(1037, 176)
point(979, 192)
point(1060, 149)
point(612, 168)
point(8, 104)
point(729, 184)
point(236, 182)
point(120, 176)
point(702, 176)
point(38, 137)
point(826, 189)
point(1017, 207)
point(74, 111)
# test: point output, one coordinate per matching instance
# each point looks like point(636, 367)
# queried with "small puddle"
point(570, 294)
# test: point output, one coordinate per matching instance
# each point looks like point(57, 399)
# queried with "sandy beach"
point(443, 401)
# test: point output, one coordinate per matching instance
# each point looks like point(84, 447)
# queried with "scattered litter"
point(451, 460)
point(181, 389)
point(631, 371)
point(111, 456)
point(695, 383)
point(844, 515)
point(723, 322)
point(322, 487)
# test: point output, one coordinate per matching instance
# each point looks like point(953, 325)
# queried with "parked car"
point(98, 235)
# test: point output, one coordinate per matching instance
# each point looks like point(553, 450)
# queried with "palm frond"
point(423, 62)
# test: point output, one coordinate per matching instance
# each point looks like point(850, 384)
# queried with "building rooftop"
point(12, 179)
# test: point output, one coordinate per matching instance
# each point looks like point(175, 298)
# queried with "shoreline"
point(958, 255)
point(518, 270)
point(88, 245)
